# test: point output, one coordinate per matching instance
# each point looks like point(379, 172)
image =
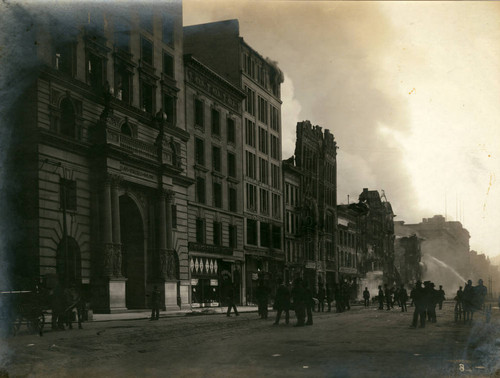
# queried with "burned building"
point(407, 255)
point(310, 178)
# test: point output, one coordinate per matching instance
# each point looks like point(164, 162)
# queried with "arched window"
point(67, 118)
point(126, 129)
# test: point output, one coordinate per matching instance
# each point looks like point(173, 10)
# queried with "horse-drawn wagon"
point(23, 307)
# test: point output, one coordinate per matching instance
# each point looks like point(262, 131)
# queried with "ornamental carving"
point(112, 260)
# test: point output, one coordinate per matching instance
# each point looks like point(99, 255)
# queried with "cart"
point(22, 307)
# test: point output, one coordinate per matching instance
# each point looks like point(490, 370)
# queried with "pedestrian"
point(329, 298)
point(366, 297)
point(229, 294)
point(418, 297)
point(262, 299)
point(346, 295)
point(282, 302)
point(309, 302)
point(321, 298)
point(339, 305)
point(432, 299)
point(380, 298)
point(468, 297)
point(388, 297)
point(403, 298)
point(299, 304)
point(155, 303)
point(458, 304)
point(441, 297)
point(480, 292)
point(395, 295)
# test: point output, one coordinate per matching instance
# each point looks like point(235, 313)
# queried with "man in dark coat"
point(468, 297)
point(262, 299)
point(458, 304)
point(388, 297)
point(229, 294)
point(155, 303)
point(309, 303)
point(299, 302)
point(282, 302)
point(418, 297)
point(321, 298)
point(366, 297)
point(339, 304)
point(380, 298)
point(441, 296)
point(403, 298)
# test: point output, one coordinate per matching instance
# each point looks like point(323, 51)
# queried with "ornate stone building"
point(219, 46)
point(215, 207)
point(312, 209)
point(100, 158)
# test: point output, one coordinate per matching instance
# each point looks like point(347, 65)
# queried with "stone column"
point(115, 204)
point(107, 238)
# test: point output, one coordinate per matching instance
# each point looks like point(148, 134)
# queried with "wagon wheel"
point(36, 323)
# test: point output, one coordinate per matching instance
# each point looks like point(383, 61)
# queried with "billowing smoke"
point(443, 274)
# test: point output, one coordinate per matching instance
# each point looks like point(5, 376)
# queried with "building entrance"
point(133, 253)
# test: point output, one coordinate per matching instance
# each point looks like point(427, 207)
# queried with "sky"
point(410, 91)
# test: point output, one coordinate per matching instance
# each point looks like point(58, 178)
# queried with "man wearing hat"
point(418, 296)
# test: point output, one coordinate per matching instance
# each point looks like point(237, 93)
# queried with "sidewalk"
point(146, 314)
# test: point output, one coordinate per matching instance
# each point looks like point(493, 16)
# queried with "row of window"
point(259, 72)
point(199, 156)
point(292, 195)
point(263, 234)
point(266, 113)
point(347, 239)
point(330, 196)
point(347, 259)
point(294, 251)
point(251, 170)
point(215, 121)
point(264, 208)
point(216, 194)
point(292, 223)
point(264, 141)
point(217, 238)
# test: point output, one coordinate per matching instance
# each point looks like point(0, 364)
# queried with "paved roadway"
point(358, 343)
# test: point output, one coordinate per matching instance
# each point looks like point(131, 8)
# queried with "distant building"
point(407, 255)
point(311, 207)
point(218, 45)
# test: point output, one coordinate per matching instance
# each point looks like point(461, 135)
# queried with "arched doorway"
point(133, 253)
point(69, 262)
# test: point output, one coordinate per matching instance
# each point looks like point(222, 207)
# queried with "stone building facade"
point(219, 46)
point(215, 202)
point(102, 163)
point(312, 209)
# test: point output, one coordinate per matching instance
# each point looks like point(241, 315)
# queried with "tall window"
point(275, 123)
point(67, 126)
point(216, 166)
point(265, 240)
point(250, 101)
point(168, 64)
point(200, 189)
point(250, 132)
point(198, 113)
point(65, 59)
point(169, 108)
point(67, 194)
point(262, 110)
point(217, 189)
point(251, 197)
point(251, 232)
point(233, 204)
point(146, 51)
point(263, 170)
point(275, 148)
point(264, 201)
point(147, 94)
point(262, 140)
point(199, 147)
point(233, 236)
point(217, 233)
point(250, 165)
point(95, 71)
point(200, 230)
point(231, 130)
point(215, 122)
point(275, 176)
point(231, 165)
point(276, 237)
point(123, 83)
point(174, 216)
point(276, 204)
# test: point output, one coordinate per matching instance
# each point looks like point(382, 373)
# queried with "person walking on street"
point(299, 302)
point(380, 298)
point(155, 303)
point(282, 302)
point(230, 298)
point(458, 304)
point(418, 297)
point(366, 297)
point(388, 297)
point(441, 296)
point(403, 298)
point(321, 298)
point(262, 299)
point(309, 301)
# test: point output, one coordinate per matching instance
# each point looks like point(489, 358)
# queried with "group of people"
point(469, 300)
point(426, 299)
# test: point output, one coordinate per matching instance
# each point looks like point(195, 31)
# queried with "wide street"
point(358, 343)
